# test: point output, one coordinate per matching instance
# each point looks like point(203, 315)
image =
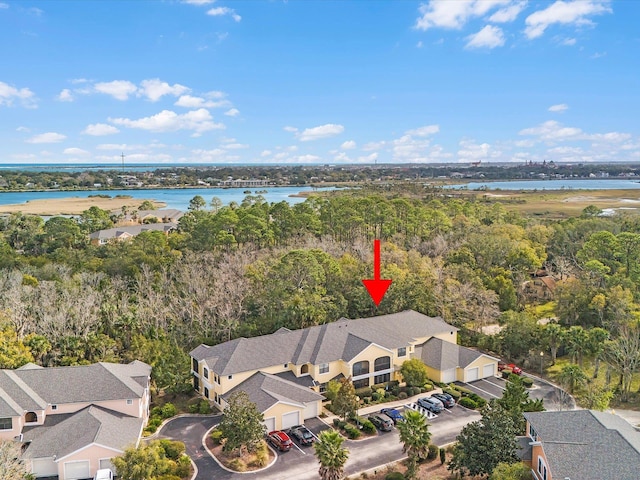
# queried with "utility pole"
point(122, 155)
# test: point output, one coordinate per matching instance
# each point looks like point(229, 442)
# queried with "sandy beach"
point(73, 205)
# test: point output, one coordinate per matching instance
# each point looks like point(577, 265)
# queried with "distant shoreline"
point(73, 205)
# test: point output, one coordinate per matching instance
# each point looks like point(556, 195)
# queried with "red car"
point(280, 440)
point(511, 366)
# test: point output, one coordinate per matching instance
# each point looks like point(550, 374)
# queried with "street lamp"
point(541, 359)
point(357, 412)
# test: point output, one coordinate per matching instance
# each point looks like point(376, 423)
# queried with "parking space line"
point(493, 384)
point(483, 391)
point(296, 445)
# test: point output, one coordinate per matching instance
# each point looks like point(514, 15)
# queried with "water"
point(174, 198)
point(564, 184)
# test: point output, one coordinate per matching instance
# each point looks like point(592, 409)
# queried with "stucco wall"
point(93, 453)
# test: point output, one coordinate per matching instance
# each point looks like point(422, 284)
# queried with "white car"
point(104, 474)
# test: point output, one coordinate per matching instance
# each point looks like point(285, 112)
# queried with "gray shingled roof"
point(64, 434)
point(443, 355)
point(171, 213)
point(343, 339)
point(33, 389)
point(581, 444)
point(132, 230)
point(265, 390)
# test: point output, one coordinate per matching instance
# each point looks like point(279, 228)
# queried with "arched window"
point(382, 363)
point(30, 417)
point(360, 368)
point(304, 369)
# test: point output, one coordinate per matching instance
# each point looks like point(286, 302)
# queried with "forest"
point(250, 268)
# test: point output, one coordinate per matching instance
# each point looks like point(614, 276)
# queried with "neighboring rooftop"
point(583, 444)
point(132, 230)
point(343, 339)
point(443, 355)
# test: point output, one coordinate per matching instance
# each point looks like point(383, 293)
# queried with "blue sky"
point(304, 81)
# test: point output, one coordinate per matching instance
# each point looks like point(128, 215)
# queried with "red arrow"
point(376, 287)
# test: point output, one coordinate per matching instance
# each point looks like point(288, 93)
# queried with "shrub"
point(194, 408)
point(464, 391)
point(168, 410)
point(351, 431)
point(394, 476)
point(238, 465)
point(173, 449)
point(443, 456)
point(204, 407)
point(156, 412)
point(413, 391)
point(423, 390)
point(376, 396)
point(402, 395)
point(216, 436)
point(183, 467)
point(336, 422)
point(393, 383)
point(527, 382)
point(506, 372)
point(433, 452)
point(169, 477)
point(364, 392)
point(454, 393)
point(428, 387)
point(468, 403)
point(367, 426)
point(262, 455)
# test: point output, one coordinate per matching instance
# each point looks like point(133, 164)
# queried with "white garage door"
point(44, 467)
point(106, 463)
point(76, 470)
point(290, 419)
point(310, 410)
point(449, 376)
point(472, 374)
point(488, 370)
point(270, 423)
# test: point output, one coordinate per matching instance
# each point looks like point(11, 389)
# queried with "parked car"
point(393, 414)
point(511, 366)
point(302, 435)
point(280, 440)
point(432, 404)
point(381, 421)
point(447, 400)
point(104, 474)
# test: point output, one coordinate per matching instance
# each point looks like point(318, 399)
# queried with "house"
point(284, 373)
point(73, 420)
point(581, 445)
point(541, 286)
point(166, 215)
point(120, 234)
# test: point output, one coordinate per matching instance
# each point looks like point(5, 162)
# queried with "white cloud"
point(561, 107)
point(77, 81)
point(3, 5)
point(220, 11)
point(471, 151)
point(489, 37)
point(568, 42)
point(233, 112)
point(290, 129)
point(373, 146)
point(168, 121)
point(65, 96)
point(123, 147)
point(508, 14)
point(235, 146)
point(319, 132)
point(454, 14)
point(23, 129)
point(348, 145)
point(100, 129)
point(75, 151)
point(189, 101)
point(199, 2)
point(552, 131)
point(154, 89)
point(49, 137)
point(9, 93)
point(574, 12)
point(266, 153)
point(424, 131)
point(118, 89)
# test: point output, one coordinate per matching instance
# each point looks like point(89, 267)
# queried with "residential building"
point(73, 420)
point(581, 445)
point(120, 234)
point(293, 366)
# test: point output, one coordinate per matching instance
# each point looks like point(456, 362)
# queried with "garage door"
point(449, 376)
point(488, 370)
point(106, 463)
point(472, 374)
point(310, 410)
point(44, 467)
point(290, 419)
point(76, 470)
point(270, 423)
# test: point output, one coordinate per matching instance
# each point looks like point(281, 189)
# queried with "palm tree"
point(331, 455)
point(415, 437)
point(572, 376)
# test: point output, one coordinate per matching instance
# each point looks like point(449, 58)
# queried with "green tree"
point(515, 400)
point(13, 352)
point(597, 338)
point(147, 205)
point(345, 401)
point(144, 462)
point(553, 336)
point(597, 398)
point(197, 203)
point(520, 334)
point(511, 471)
point(414, 372)
point(62, 232)
point(484, 444)
point(216, 204)
point(12, 465)
point(331, 455)
point(572, 376)
point(242, 424)
point(577, 339)
point(415, 437)
point(94, 219)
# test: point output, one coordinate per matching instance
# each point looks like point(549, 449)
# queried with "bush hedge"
point(527, 382)
point(468, 403)
point(454, 393)
point(433, 452)
point(394, 476)
point(351, 431)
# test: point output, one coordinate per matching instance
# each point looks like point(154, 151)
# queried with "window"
point(6, 423)
point(54, 407)
point(542, 468)
point(360, 368)
point(361, 383)
point(205, 373)
point(286, 365)
point(323, 387)
point(196, 383)
point(30, 417)
point(532, 432)
point(382, 378)
point(194, 364)
point(304, 369)
point(402, 352)
point(206, 392)
point(382, 363)
point(324, 368)
point(129, 401)
point(230, 377)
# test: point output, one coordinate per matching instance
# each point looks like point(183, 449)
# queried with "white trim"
point(299, 405)
point(372, 374)
point(93, 444)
